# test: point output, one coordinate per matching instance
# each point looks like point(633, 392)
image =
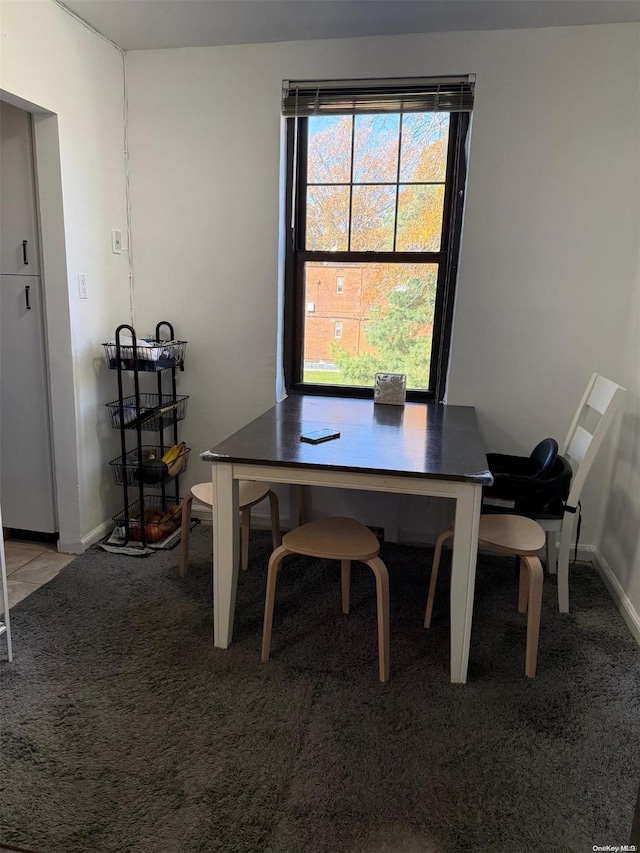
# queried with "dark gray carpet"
point(124, 730)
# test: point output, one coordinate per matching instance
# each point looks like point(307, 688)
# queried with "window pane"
point(385, 318)
point(372, 218)
point(329, 150)
point(425, 138)
point(420, 211)
point(327, 219)
point(375, 148)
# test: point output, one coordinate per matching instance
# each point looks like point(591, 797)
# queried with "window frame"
point(296, 257)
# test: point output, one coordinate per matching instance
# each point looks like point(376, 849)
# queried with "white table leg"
point(225, 552)
point(463, 577)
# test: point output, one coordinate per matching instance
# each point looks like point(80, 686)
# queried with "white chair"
point(594, 416)
point(250, 494)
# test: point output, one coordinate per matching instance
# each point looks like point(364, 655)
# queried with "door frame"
point(57, 322)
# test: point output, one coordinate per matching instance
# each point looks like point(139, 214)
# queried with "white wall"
point(619, 540)
point(51, 62)
point(548, 272)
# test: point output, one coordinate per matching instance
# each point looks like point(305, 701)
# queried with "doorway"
point(43, 455)
point(26, 460)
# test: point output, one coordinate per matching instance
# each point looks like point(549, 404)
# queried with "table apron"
point(351, 480)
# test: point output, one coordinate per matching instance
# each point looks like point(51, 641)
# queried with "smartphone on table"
point(319, 435)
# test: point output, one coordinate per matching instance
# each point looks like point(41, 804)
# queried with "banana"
point(173, 452)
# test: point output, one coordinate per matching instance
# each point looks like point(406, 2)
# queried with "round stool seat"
point(333, 539)
point(512, 533)
point(250, 492)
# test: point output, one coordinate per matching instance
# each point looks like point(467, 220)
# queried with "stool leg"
point(536, 578)
point(275, 520)
point(382, 595)
point(184, 534)
point(447, 534)
point(523, 589)
point(272, 576)
point(346, 583)
point(246, 528)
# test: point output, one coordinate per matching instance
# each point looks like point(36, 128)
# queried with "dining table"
point(432, 449)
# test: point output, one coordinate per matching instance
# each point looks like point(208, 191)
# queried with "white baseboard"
point(75, 547)
point(98, 533)
point(79, 546)
point(620, 597)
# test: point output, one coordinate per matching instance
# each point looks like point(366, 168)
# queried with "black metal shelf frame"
point(167, 421)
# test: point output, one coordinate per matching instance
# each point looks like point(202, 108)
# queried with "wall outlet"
point(116, 241)
point(82, 285)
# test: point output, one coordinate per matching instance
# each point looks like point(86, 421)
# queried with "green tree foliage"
point(400, 333)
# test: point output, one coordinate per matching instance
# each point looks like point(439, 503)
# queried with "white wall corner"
point(79, 546)
point(73, 547)
point(621, 599)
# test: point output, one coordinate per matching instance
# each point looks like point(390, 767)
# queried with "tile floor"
point(29, 565)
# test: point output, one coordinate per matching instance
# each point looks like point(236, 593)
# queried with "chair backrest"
point(594, 416)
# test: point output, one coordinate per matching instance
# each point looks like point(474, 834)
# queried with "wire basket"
point(130, 469)
point(154, 412)
point(149, 358)
point(161, 519)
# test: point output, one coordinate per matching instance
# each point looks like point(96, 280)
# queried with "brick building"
point(334, 309)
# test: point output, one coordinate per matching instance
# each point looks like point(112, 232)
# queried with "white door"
point(26, 470)
point(18, 229)
point(26, 480)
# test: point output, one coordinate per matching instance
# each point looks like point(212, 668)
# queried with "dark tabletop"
point(415, 440)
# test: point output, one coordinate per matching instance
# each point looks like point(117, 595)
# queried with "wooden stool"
point(341, 539)
point(250, 493)
point(510, 534)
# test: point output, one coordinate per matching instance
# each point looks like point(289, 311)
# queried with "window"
point(374, 197)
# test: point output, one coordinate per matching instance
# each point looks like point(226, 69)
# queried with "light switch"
point(116, 241)
point(82, 285)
